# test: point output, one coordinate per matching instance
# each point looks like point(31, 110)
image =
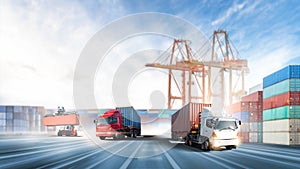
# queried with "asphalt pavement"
point(144, 152)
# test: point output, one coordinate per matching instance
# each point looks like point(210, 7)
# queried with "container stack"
point(236, 111)
point(253, 104)
point(21, 119)
point(281, 106)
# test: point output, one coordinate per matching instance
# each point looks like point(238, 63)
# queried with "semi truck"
point(205, 130)
point(118, 123)
point(66, 120)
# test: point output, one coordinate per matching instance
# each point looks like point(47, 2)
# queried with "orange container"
point(71, 119)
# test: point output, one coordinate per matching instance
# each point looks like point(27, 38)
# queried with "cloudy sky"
point(41, 42)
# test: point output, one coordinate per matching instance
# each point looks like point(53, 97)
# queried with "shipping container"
point(289, 85)
point(2, 108)
point(242, 116)
point(285, 138)
point(244, 137)
point(256, 96)
point(72, 119)
point(289, 72)
point(285, 125)
point(285, 99)
point(130, 117)
point(284, 112)
point(185, 117)
point(255, 127)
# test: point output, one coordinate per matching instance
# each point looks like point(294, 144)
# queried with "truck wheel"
point(101, 138)
point(206, 146)
point(190, 143)
point(228, 147)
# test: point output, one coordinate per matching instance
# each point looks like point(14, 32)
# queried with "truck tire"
point(228, 147)
point(59, 133)
point(101, 138)
point(190, 142)
point(206, 146)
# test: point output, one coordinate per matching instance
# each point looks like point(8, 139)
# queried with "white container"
point(253, 137)
point(284, 125)
point(285, 138)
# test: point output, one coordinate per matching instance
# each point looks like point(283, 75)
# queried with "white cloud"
point(235, 8)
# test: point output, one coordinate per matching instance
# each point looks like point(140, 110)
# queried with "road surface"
point(83, 152)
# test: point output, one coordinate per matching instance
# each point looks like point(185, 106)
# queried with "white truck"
point(214, 132)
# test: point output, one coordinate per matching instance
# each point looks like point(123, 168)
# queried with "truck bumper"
point(225, 142)
point(105, 134)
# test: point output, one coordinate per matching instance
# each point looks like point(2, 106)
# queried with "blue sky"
point(40, 41)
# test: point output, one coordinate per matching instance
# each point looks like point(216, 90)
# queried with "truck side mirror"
point(240, 123)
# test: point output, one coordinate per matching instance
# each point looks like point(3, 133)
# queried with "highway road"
point(151, 152)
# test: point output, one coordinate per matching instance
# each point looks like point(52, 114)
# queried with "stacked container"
point(249, 112)
point(281, 106)
point(253, 104)
point(21, 119)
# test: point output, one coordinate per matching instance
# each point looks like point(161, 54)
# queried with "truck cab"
point(68, 130)
point(108, 124)
point(213, 132)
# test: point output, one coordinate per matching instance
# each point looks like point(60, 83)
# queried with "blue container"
point(2, 108)
point(289, 72)
point(244, 117)
point(130, 117)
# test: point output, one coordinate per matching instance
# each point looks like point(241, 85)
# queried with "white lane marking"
point(268, 159)
point(228, 161)
point(40, 151)
point(97, 163)
point(169, 158)
point(176, 142)
point(130, 158)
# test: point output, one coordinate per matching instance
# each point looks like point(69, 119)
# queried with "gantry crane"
point(180, 57)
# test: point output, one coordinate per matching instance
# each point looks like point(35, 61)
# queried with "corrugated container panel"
point(285, 125)
point(72, 119)
point(289, 72)
point(2, 122)
point(245, 127)
point(255, 127)
point(256, 96)
point(285, 138)
point(244, 137)
point(2, 115)
point(289, 85)
point(9, 108)
point(285, 99)
point(184, 118)
point(260, 137)
point(130, 117)
point(18, 109)
point(281, 113)
point(242, 116)
point(234, 108)
point(253, 137)
point(9, 115)
point(2, 108)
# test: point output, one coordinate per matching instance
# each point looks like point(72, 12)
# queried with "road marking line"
point(112, 154)
point(129, 159)
point(169, 158)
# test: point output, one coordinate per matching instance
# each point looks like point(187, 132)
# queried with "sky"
point(41, 42)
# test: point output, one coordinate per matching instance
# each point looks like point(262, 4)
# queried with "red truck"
point(118, 123)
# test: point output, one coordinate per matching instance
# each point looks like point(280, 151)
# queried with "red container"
point(285, 99)
point(184, 118)
point(72, 119)
point(257, 96)
point(255, 110)
point(244, 137)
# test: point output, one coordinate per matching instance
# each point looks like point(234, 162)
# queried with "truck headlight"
point(214, 135)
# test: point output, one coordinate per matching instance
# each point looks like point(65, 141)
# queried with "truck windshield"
point(108, 120)
point(223, 125)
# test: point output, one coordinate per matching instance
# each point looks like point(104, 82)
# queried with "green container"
point(289, 85)
point(260, 137)
point(284, 112)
